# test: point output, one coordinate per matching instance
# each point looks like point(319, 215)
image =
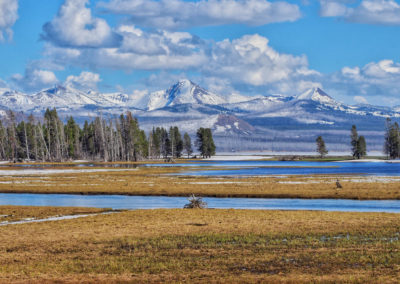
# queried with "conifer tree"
point(321, 148)
point(187, 144)
point(205, 143)
point(392, 139)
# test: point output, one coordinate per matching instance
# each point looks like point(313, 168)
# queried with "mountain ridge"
point(256, 122)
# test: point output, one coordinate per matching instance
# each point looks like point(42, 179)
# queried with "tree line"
point(113, 139)
point(358, 145)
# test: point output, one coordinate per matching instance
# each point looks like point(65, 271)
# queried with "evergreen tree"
point(321, 148)
point(205, 143)
point(392, 139)
point(176, 142)
point(354, 141)
point(358, 144)
point(361, 147)
point(187, 144)
point(72, 135)
point(165, 143)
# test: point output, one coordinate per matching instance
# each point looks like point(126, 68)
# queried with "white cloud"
point(74, 26)
point(360, 100)
point(375, 79)
point(331, 8)
point(34, 79)
point(246, 61)
point(250, 60)
point(139, 50)
point(85, 81)
point(8, 16)
point(176, 14)
point(379, 12)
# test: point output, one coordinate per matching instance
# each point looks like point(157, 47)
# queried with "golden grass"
point(17, 213)
point(219, 246)
point(154, 181)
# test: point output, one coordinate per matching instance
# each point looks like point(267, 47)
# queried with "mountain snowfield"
point(258, 124)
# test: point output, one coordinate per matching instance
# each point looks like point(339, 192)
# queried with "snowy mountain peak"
point(183, 92)
point(317, 95)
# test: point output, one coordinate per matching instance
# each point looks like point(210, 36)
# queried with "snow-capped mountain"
point(318, 95)
point(61, 96)
point(269, 122)
point(183, 92)
point(15, 100)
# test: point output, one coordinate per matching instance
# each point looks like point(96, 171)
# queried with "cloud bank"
point(8, 17)
point(376, 12)
point(178, 14)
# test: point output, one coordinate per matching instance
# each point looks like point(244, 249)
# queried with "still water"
point(153, 202)
point(259, 168)
point(254, 168)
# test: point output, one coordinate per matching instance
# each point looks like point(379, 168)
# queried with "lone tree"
point(392, 139)
point(321, 148)
point(358, 144)
point(187, 144)
point(205, 143)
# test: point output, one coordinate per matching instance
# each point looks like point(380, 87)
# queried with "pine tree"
point(392, 139)
point(205, 143)
point(361, 147)
point(358, 144)
point(187, 144)
point(321, 148)
point(176, 142)
point(354, 141)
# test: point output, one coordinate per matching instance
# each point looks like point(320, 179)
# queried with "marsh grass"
point(156, 181)
point(206, 246)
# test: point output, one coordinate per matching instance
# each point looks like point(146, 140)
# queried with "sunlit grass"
point(205, 246)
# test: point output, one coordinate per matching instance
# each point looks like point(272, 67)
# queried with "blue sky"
point(351, 49)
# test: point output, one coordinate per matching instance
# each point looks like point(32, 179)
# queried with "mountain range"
point(272, 123)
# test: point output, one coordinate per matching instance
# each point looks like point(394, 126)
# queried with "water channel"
point(154, 202)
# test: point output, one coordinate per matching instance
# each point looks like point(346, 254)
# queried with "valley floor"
point(242, 246)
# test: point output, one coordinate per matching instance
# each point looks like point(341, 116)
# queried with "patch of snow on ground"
point(237, 158)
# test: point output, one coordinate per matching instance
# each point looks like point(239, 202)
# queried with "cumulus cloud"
point(379, 12)
point(8, 16)
point(176, 14)
point(360, 100)
point(34, 79)
point(375, 79)
point(250, 60)
point(75, 38)
point(74, 26)
point(85, 81)
point(139, 50)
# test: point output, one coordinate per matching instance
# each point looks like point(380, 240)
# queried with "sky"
point(349, 48)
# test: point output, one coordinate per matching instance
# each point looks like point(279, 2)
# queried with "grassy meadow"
point(242, 246)
point(156, 181)
point(197, 245)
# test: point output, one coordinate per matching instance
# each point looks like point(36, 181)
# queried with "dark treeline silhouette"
point(113, 139)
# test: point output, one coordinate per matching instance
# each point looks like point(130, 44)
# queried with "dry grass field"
point(155, 181)
point(220, 246)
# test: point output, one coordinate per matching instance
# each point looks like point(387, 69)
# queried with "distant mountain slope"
point(239, 123)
